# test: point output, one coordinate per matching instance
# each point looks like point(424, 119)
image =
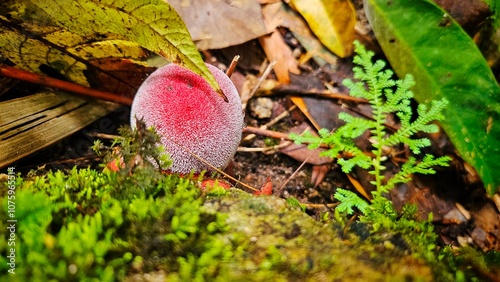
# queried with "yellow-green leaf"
point(153, 24)
point(332, 21)
point(61, 50)
point(105, 62)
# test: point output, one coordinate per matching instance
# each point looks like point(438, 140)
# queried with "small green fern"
point(348, 200)
point(386, 96)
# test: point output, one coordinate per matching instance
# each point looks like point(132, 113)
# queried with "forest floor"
point(462, 212)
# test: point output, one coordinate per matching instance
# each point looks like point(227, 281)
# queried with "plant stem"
point(379, 132)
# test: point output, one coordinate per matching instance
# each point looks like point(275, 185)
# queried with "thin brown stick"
point(348, 224)
point(316, 206)
point(284, 136)
point(263, 77)
point(63, 85)
point(104, 136)
point(232, 66)
point(280, 190)
point(272, 134)
point(264, 149)
point(247, 98)
point(265, 132)
point(297, 91)
point(271, 122)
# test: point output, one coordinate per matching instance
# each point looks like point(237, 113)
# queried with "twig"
point(105, 136)
point(348, 224)
point(232, 66)
point(267, 133)
point(264, 75)
point(272, 122)
point(265, 149)
point(297, 91)
point(273, 134)
point(62, 85)
point(280, 190)
point(316, 206)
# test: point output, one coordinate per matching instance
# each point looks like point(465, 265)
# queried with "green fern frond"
point(359, 159)
point(399, 101)
point(357, 89)
point(307, 138)
point(387, 96)
point(427, 164)
point(423, 123)
point(324, 133)
point(348, 200)
point(354, 126)
point(412, 166)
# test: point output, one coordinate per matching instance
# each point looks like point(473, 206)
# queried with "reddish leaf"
point(116, 164)
point(267, 188)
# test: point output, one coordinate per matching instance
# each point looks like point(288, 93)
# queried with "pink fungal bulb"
point(191, 117)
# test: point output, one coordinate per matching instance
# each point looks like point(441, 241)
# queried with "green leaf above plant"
point(420, 38)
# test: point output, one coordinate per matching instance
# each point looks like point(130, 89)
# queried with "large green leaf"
point(419, 38)
point(153, 24)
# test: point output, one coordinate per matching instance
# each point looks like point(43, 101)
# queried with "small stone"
point(261, 108)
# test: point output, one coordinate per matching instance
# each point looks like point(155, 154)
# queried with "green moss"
point(285, 244)
point(103, 225)
point(87, 227)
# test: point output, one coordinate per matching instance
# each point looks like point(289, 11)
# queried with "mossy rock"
point(285, 244)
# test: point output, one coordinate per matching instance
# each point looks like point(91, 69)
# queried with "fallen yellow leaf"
point(332, 21)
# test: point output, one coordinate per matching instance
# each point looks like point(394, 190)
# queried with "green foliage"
point(377, 86)
point(135, 148)
point(348, 200)
point(470, 264)
point(295, 203)
point(92, 225)
point(447, 63)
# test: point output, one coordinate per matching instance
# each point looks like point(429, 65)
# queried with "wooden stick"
point(267, 133)
point(265, 149)
point(63, 85)
point(232, 66)
point(282, 188)
point(264, 75)
point(297, 91)
point(272, 122)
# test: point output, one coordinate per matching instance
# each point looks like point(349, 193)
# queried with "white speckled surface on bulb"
point(183, 106)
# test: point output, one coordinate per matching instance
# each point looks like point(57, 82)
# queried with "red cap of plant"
point(186, 110)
